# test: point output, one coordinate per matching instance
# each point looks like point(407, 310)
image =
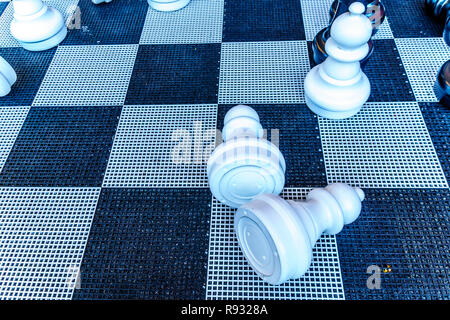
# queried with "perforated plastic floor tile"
point(200, 22)
point(118, 22)
point(88, 75)
point(175, 74)
point(296, 131)
point(62, 147)
point(11, 120)
point(387, 74)
point(147, 244)
point(66, 7)
point(422, 58)
point(406, 229)
point(408, 19)
point(263, 20)
point(386, 145)
point(263, 72)
point(437, 118)
point(231, 277)
point(43, 232)
point(30, 68)
point(162, 146)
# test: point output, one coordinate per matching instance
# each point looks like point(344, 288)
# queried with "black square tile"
point(437, 119)
point(62, 147)
point(299, 141)
point(175, 74)
point(406, 229)
point(30, 68)
point(147, 244)
point(408, 19)
point(3, 6)
point(263, 20)
point(118, 22)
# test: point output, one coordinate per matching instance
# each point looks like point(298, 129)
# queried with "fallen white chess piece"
point(277, 236)
point(7, 77)
point(246, 164)
point(37, 26)
point(168, 5)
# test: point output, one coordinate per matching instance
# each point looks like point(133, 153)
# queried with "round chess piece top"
point(245, 164)
point(277, 236)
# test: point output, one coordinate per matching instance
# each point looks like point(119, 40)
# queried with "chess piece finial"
point(168, 5)
point(337, 88)
point(7, 77)
point(245, 164)
point(277, 236)
point(37, 26)
point(375, 11)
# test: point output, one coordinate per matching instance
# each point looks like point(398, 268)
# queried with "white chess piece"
point(37, 26)
point(100, 1)
point(337, 88)
point(168, 5)
point(246, 164)
point(277, 236)
point(7, 77)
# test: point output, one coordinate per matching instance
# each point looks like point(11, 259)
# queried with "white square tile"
point(386, 145)
point(88, 76)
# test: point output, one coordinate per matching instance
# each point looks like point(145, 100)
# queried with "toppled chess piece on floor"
point(7, 77)
point(101, 1)
point(337, 88)
point(245, 164)
point(168, 5)
point(375, 11)
point(37, 26)
point(277, 236)
point(442, 86)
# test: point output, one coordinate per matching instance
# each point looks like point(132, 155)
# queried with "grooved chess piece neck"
point(277, 236)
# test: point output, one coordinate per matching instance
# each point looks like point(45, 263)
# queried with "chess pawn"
point(37, 26)
point(438, 8)
point(245, 164)
point(277, 236)
point(337, 88)
point(168, 5)
point(7, 77)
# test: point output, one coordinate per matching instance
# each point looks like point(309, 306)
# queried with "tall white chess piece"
point(37, 26)
point(168, 5)
point(337, 88)
point(277, 236)
point(7, 77)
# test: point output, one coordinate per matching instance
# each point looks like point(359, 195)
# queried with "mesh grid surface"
point(162, 146)
point(200, 22)
point(386, 145)
point(422, 58)
point(87, 75)
point(263, 72)
point(231, 277)
point(11, 120)
point(44, 232)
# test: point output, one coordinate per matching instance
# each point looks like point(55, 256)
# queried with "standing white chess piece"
point(7, 77)
point(37, 26)
point(168, 5)
point(337, 88)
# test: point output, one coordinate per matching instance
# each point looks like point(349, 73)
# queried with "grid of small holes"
point(231, 277)
point(144, 151)
point(386, 145)
point(263, 72)
point(422, 58)
point(42, 239)
point(87, 75)
point(66, 7)
point(200, 22)
point(11, 120)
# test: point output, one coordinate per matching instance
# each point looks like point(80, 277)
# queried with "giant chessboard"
point(92, 205)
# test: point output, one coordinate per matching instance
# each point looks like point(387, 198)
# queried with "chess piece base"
point(168, 5)
point(45, 44)
point(7, 77)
